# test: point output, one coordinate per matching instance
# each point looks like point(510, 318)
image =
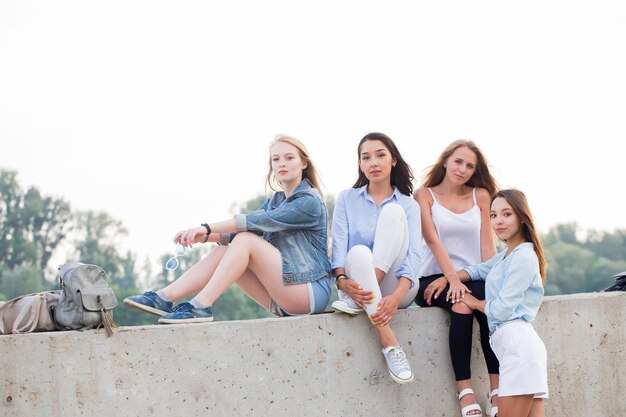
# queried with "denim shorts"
point(319, 296)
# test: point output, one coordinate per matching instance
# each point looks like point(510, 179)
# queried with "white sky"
point(160, 113)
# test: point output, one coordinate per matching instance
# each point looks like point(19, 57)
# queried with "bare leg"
point(387, 336)
point(251, 252)
point(197, 276)
point(517, 406)
point(537, 408)
point(494, 382)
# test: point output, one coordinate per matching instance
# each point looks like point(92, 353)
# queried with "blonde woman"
point(277, 255)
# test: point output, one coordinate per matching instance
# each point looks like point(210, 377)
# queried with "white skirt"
point(523, 360)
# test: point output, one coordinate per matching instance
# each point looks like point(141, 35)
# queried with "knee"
point(245, 238)
point(359, 253)
point(461, 308)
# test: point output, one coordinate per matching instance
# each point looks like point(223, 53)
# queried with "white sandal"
point(492, 410)
point(470, 407)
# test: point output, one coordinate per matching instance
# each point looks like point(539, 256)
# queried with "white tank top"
point(459, 234)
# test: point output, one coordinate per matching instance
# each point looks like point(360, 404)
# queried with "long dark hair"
point(481, 178)
point(518, 202)
point(401, 173)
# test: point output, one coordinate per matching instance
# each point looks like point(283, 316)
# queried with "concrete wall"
point(325, 365)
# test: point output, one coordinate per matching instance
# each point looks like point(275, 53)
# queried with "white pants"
point(391, 243)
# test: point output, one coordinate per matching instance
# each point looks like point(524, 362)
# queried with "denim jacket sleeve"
point(411, 265)
point(226, 238)
point(302, 210)
point(339, 232)
point(480, 271)
point(519, 272)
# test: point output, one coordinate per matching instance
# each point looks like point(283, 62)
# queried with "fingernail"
point(378, 308)
point(360, 287)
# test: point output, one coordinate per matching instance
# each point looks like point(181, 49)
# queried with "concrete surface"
point(325, 365)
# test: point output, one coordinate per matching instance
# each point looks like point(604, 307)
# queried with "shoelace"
point(183, 307)
point(399, 360)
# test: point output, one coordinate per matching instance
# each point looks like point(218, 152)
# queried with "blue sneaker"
point(150, 302)
point(187, 313)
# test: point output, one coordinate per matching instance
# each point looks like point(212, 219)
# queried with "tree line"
point(37, 230)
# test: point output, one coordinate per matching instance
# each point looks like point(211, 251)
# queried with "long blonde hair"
point(519, 204)
point(309, 173)
point(481, 178)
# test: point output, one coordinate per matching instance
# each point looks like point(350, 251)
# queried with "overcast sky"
point(161, 113)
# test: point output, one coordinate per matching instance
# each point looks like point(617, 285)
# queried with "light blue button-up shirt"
point(513, 288)
point(354, 223)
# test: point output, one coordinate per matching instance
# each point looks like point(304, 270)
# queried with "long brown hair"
point(401, 173)
point(309, 173)
point(519, 203)
point(481, 178)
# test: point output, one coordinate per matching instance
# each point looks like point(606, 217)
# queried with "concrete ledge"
point(325, 365)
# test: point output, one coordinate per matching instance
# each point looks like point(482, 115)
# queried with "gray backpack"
point(86, 300)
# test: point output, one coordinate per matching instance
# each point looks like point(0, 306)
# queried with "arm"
point(457, 289)
point(518, 275)
point(429, 232)
point(221, 232)
point(339, 233)
point(487, 245)
point(302, 211)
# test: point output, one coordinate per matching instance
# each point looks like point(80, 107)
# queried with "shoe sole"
point(400, 381)
point(345, 309)
point(145, 308)
point(191, 320)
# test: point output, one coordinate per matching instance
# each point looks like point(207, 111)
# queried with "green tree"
point(22, 280)
point(31, 225)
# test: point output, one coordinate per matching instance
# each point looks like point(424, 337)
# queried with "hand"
point(387, 308)
point(435, 289)
point(457, 291)
point(356, 292)
point(190, 236)
point(471, 301)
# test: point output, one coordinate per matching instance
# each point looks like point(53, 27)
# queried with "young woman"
point(514, 289)
point(454, 203)
point(376, 242)
point(278, 255)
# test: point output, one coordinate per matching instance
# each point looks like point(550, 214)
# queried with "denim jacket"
point(297, 227)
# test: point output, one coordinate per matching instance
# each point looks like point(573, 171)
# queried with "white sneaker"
point(397, 364)
point(346, 304)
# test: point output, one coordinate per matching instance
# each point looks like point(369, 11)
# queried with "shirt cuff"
point(225, 238)
point(240, 221)
point(469, 271)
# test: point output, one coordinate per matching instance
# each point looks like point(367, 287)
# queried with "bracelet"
point(206, 239)
point(208, 228)
point(340, 276)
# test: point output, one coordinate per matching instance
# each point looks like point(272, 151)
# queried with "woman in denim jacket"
point(278, 255)
point(376, 242)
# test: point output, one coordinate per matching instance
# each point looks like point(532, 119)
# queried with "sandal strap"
point(464, 392)
point(471, 407)
point(494, 393)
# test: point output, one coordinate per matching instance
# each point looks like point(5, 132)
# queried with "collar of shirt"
point(394, 195)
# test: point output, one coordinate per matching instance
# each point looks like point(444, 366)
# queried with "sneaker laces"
point(399, 360)
point(185, 306)
point(345, 298)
